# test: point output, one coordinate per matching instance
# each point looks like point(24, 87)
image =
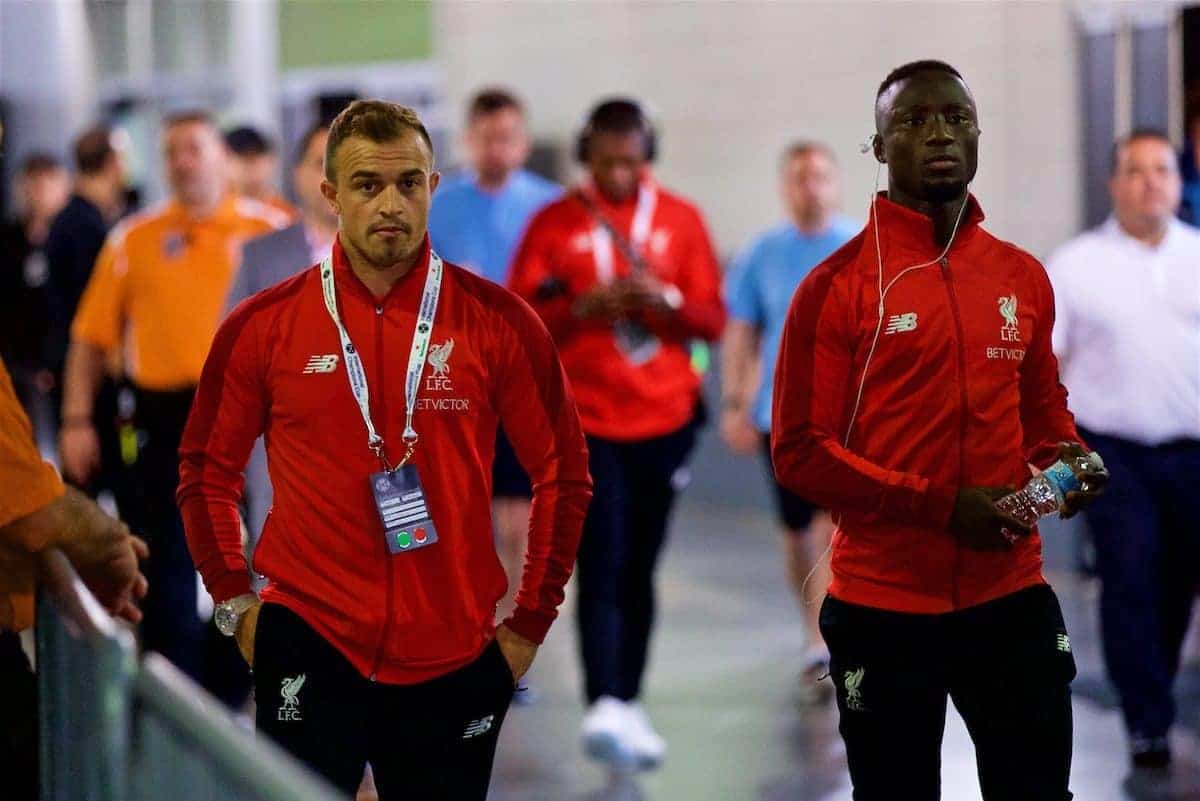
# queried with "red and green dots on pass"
point(406, 538)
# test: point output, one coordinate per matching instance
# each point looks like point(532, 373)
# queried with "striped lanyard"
point(602, 234)
point(416, 358)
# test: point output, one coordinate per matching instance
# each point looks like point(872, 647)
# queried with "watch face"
point(226, 621)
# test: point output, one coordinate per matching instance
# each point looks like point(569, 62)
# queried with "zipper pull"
point(945, 263)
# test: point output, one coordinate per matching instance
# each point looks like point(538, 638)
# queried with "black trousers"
point(1147, 549)
point(1006, 665)
point(433, 741)
point(171, 625)
point(18, 722)
point(623, 534)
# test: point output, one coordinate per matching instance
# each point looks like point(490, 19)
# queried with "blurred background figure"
point(157, 294)
point(42, 188)
point(477, 219)
point(1189, 169)
point(759, 289)
point(274, 257)
point(37, 513)
point(254, 167)
point(625, 276)
point(77, 234)
point(1126, 335)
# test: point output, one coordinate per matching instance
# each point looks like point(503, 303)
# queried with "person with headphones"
point(625, 275)
point(916, 386)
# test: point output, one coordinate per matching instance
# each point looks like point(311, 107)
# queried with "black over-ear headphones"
point(616, 114)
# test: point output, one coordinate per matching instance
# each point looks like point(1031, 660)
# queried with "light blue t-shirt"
point(480, 230)
point(760, 285)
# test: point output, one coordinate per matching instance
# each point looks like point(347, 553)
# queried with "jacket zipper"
point(962, 398)
point(387, 620)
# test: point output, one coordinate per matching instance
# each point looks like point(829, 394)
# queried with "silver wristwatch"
point(230, 612)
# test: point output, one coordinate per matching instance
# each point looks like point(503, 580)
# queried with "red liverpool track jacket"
point(962, 390)
point(619, 400)
point(276, 368)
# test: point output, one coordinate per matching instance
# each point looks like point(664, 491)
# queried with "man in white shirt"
point(1128, 341)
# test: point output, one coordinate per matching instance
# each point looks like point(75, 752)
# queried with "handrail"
point(75, 603)
point(254, 765)
point(86, 663)
point(96, 701)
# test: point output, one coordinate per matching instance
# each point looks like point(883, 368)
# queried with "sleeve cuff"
point(228, 585)
point(939, 504)
point(530, 624)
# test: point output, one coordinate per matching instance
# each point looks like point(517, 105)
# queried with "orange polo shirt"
point(159, 287)
point(27, 484)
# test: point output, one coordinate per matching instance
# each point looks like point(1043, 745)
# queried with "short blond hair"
point(376, 120)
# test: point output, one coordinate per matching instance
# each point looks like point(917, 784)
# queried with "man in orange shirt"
point(38, 513)
point(155, 298)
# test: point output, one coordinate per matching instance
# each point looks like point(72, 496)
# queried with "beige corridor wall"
point(731, 83)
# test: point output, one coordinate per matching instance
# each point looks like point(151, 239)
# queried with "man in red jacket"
point(915, 386)
point(624, 274)
point(378, 379)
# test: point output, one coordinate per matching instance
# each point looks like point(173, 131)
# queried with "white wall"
point(732, 83)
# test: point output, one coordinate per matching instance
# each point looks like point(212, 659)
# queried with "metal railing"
point(114, 730)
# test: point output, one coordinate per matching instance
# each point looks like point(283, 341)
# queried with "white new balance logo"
point(479, 727)
point(321, 364)
point(899, 323)
point(1064, 643)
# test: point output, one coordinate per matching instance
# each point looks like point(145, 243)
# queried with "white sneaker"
point(648, 746)
point(605, 731)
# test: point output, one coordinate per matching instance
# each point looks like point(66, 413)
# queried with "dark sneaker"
point(1150, 753)
point(525, 695)
point(815, 688)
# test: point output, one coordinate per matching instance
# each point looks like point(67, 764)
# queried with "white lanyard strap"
point(416, 359)
point(602, 238)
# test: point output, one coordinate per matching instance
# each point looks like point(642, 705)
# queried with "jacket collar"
point(587, 188)
point(914, 231)
point(411, 283)
point(226, 209)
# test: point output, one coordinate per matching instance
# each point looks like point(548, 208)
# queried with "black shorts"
point(1007, 665)
point(509, 479)
point(433, 741)
point(795, 513)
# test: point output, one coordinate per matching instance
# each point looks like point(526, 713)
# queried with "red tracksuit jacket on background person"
point(617, 399)
point(962, 391)
point(276, 368)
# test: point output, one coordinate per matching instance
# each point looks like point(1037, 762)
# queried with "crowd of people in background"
point(108, 311)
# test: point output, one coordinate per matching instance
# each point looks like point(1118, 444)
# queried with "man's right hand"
point(739, 432)
point(246, 628)
point(606, 302)
point(79, 451)
point(104, 553)
point(977, 524)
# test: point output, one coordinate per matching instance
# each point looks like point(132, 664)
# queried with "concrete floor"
point(722, 691)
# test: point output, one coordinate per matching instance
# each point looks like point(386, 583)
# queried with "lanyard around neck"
point(602, 234)
point(416, 358)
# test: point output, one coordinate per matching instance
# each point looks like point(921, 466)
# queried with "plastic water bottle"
point(1046, 493)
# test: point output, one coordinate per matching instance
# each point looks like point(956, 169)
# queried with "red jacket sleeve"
point(538, 413)
point(815, 388)
point(1045, 418)
point(702, 315)
point(532, 276)
point(228, 414)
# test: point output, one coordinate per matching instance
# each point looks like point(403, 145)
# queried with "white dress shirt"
point(1127, 332)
